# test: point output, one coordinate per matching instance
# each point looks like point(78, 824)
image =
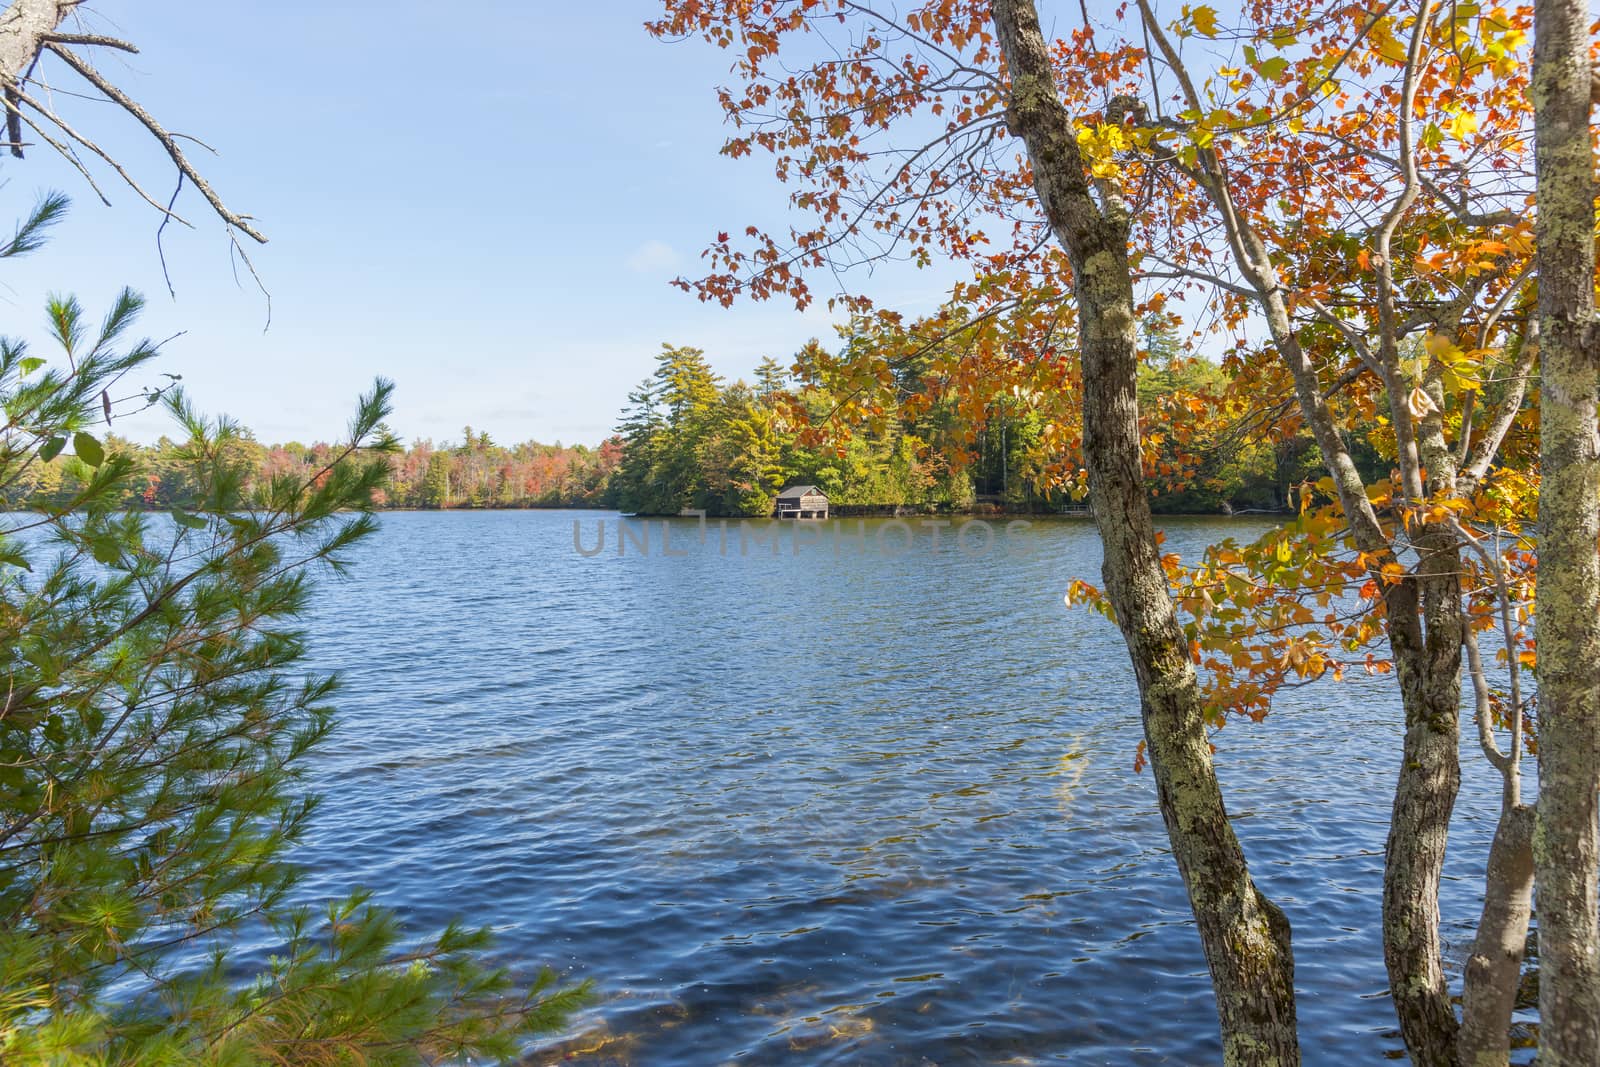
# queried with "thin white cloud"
point(653, 257)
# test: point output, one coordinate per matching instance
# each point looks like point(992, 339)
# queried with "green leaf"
point(52, 448)
point(88, 449)
point(106, 551)
point(30, 364)
point(192, 522)
point(1273, 68)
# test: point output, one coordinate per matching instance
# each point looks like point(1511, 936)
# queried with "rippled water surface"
point(843, 806)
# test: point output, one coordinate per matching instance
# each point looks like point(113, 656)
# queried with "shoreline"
point(845, 511)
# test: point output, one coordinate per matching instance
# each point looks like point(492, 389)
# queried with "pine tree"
point(153, 733)
point(640, 431)
point(686, 386)
point(741, 460)
point(772, 378)
point(436, 483)
point(669, 420)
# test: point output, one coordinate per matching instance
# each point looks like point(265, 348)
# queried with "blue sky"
point(487, 211)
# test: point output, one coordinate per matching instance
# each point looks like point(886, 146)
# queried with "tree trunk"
point(1424, 630)
point(1428, 663)
point(1494, 969)
point(1567, 602)
point(23, 26)
point(1244, 936)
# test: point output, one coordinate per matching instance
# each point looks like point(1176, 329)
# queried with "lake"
point(867, 801)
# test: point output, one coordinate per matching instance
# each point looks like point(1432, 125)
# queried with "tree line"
point(690, 440)
point(477, 473)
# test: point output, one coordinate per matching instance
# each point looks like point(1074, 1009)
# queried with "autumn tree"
point(1345, 182)
point(1274, 256)
point(1245, 937)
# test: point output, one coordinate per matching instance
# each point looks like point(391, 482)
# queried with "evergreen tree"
point(742, 459)
point(687, 388)
point(640, 430)
point(670, 419)
point(153, 736)
point(436, 484)
point(772, 378)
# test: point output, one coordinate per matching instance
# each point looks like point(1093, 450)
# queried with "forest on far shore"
point(689, 439)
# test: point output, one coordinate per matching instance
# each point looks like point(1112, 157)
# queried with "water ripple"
point(829, 808)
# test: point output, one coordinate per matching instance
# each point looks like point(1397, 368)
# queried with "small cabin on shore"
point(802, 502)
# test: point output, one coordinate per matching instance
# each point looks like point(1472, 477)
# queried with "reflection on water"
point(840, 807)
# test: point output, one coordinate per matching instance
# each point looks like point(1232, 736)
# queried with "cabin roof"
point(795, 491)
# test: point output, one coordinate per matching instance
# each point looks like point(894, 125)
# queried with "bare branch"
point(1508, 632)
point(96, 149)
point(13, 124)
point(65, 150)
point(1508, 408)
point(161, 252)
point(168, 141)
point(235, 246)
point(90, 39)
point(1480, 693)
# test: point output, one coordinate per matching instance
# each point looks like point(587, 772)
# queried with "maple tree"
point(1335, 195)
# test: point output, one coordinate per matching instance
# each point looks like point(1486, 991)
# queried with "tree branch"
point(168, 141)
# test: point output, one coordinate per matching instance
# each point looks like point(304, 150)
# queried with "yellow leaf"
point(1462, 125)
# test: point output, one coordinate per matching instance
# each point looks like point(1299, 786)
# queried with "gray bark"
point(1567, 602)
point(1245, 937)
point(1423, 611)
point(1494, 969)
point(1427, 661)
point(1428, 666)
point(24, 25)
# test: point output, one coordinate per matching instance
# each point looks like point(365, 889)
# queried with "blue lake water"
point(870, 801)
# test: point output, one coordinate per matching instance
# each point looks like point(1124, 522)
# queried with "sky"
point(485, 209)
